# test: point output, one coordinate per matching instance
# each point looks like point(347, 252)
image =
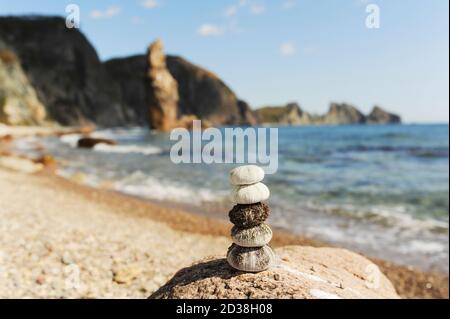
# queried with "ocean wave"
point(70, 139)
point(146, 186)
point(391, 216)
point(421, 152)
point(137, 149)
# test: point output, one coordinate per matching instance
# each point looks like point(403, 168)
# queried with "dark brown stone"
point(90, 142)
point(249, 215)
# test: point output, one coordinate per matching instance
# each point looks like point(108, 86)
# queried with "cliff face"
point(291, 114)
point(200, 93)
point(64, 69)
point(203, 94)
point(130, 74)
point(338, 114)
point(77, 88)
point(19, 104)
point(343, 114)
point(380, 116)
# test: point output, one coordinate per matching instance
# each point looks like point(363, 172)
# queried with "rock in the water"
point(249, 215)
point(163, 95)
point(90, 142)
point(290, 114)
point(257, 236)
point(338, 114)
point(251, 259)
point(246, 175)
point(250, 194)
point(303, 272)
point(380, 116)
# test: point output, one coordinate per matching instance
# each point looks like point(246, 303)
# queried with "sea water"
point(381, 190)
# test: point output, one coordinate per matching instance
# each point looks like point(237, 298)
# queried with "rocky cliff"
point(291, 114)
point(338, 114)
point(200, 92)
point(19, 104)
point(380, 116)
point(205, 95)
point(65, 70)
point(77, 88)
point(343, 114)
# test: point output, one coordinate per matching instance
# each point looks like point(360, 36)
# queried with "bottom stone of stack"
point(251, 259)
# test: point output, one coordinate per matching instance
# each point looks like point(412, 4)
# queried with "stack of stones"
point(250, 251)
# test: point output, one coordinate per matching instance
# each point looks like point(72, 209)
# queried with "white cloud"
point(107, 13)
point(288, 4)
point(254, 8)
point(208, 30)
point(288, 49)
point(150, 4)
point(231, 11)
point(257, 9)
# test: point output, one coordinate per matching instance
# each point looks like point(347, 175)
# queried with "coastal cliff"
point(65, 70)
point(77, 88)
point(19, 104)
point(200, 92)
point(338, 114)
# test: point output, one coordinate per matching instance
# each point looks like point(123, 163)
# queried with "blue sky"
point(277, 51)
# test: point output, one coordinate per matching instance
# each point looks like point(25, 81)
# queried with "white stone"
point(250, 194)
point(246, 175)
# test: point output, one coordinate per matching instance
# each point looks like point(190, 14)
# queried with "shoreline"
point(409, 282)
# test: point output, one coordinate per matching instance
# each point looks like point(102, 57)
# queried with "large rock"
point(19, 104)
point(90, 142)
point(303, 272)
point(343, 114)
point(200, 93)
point(380, 116)
point(131, 76)
point(163, 91)
point(291, 114)
point(65, 70)
point(205, 95)
point(338, 114)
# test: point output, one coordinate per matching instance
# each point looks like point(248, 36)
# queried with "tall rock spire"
point(163, 95)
